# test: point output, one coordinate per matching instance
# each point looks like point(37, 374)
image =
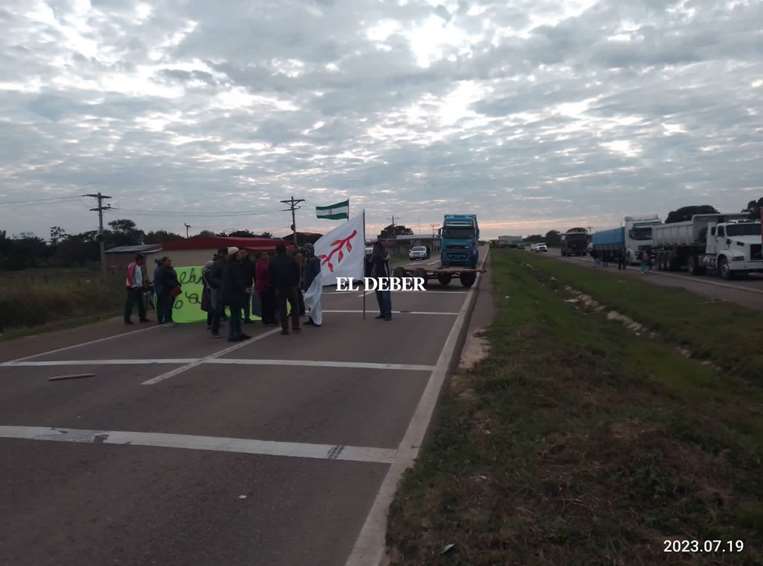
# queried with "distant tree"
point(265, 235)
point(78, 249)
point(56, 235)
point(554, 238)
point(242, 234)
point(533, 239)
point(206, 234)
point(23, 251)
point(123, 233)
point(753, 207)
point(160, 236)
point(686, 212)
point(394, 230)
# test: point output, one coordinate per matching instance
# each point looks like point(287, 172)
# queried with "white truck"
point(638, 235)
point(727, 244)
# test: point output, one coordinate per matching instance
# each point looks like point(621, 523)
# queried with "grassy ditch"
point(577, 442)
point(32, 300)
point(725, 333)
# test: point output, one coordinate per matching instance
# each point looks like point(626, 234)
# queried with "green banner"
point(187, 307)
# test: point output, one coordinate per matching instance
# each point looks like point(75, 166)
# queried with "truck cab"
point(460, 235)
point(733, 248)
point(638, 235)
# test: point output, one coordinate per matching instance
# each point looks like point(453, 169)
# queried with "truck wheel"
point(468, 279)
point(444, 279)
point(724, 270)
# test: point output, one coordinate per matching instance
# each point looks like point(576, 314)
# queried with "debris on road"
point(71, 376)
point(447, 548)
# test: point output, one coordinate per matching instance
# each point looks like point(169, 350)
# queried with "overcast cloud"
point(534, 114)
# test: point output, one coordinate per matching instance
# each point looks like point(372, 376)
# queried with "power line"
point(37, 201)
point(183, 213)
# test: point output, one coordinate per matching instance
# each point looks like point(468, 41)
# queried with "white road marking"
point(357, 311)
point(320, 363)
point(83, 344)
point(195, 363)
point(211, 443)
point(124, 362)
point(370, 544)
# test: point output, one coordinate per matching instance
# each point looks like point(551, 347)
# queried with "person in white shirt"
point(134, 285)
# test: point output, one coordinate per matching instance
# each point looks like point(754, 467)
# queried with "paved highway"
point(182, 449)
point(748, 293)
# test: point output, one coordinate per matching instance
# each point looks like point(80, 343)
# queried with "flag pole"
point(364, 263)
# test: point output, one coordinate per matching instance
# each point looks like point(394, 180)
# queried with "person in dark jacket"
point(284, 274)
point(212, 275)
point(166, 285)
point(234, 291)
point(380, 268)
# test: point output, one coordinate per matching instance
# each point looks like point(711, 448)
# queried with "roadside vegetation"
point(37, 299)
point(579, 442)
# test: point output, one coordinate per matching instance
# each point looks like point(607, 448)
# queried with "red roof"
point(217, 242)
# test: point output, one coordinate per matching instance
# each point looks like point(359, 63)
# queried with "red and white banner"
point(342, 251)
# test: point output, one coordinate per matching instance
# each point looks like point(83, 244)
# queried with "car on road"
point(418, 252)
point(539, 248)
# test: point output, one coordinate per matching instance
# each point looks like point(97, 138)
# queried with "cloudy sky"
point(534, 114)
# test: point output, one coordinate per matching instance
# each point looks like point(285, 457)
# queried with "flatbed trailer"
point(444, 275)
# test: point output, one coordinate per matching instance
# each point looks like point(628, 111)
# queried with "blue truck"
point(608, 244)
point(460, 234)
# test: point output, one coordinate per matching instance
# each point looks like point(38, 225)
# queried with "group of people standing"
point(281, 284)
point(166, 287)
point(283, 287)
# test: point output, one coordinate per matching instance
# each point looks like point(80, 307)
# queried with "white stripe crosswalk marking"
point(211, 443)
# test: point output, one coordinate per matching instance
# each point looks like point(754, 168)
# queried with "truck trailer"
point(728, 244)
point(634, 237)
point(609, 244)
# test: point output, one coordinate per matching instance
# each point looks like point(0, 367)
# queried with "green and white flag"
point(334, 211)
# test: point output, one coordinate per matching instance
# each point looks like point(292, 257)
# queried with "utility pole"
point(99, 209)
point(293, 202)
point(187, 226)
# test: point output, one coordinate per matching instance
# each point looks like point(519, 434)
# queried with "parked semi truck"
point(634, 237)
point(460, 235)
point(727, 244)
point(509, 241)
point(575, 242)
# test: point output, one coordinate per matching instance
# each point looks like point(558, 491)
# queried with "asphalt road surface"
point(745, 292)
point(183, 449)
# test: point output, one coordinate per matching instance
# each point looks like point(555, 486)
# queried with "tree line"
point(62, 249)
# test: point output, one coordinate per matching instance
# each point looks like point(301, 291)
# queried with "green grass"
point(728, 334)
point(577, 442)
point(32, 300)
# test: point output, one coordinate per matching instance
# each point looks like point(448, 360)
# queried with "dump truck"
point(575, 242)
point(728, 244)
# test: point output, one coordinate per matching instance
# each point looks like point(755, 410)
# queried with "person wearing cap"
point(234, 291)
point(134, 283)
point(284, 274)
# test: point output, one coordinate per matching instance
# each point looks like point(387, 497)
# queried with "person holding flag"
point(312, 284)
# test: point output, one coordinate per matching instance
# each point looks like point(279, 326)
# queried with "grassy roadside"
point(31, 302)
point(728, 334)
point(576, 442)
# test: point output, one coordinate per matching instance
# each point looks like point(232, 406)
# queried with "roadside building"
point(118, 258)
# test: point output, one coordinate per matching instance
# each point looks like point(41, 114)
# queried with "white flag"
point(342, 251)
